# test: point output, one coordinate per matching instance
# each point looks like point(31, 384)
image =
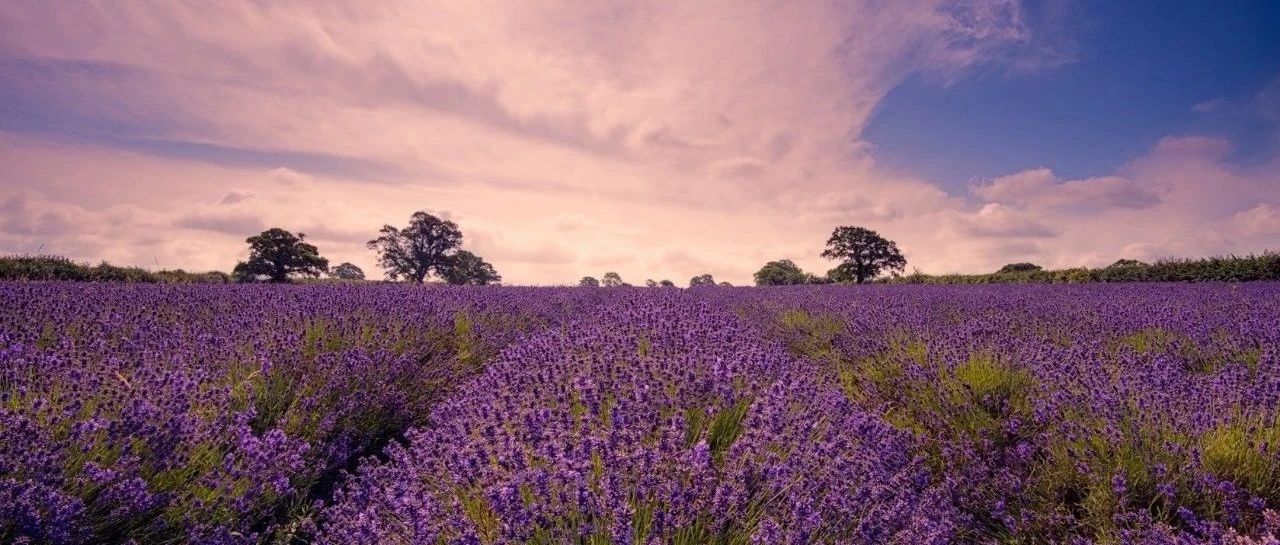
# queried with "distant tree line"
point(1209, 269)
point(428, 248)
point(862, 255)
point(865, 256)
point(51, 267)
point(614, 280)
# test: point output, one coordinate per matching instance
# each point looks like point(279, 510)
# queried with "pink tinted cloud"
point(1262, 220)
point(566, 137)
point(1039, 187)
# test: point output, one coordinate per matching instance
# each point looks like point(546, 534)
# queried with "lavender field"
point(354, 414)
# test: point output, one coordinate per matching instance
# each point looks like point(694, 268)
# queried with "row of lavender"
point(222, 414)
point(1135, 414)
point(662, 419)
point(1115, 414)
point(885, 414)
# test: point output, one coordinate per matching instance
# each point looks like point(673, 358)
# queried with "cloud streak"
point(1039, 188)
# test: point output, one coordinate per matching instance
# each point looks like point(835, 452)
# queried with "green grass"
point(812, 336)
point(1245, 451)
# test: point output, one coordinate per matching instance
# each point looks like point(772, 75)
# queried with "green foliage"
point(416, 251)
point(347, 271)
point(1077, 275)
point(1019, 268)
point(1156, 461)
point(465, 268)
point(589, 282)
point(277, 255)
point(1151, 340)
point(1245, 451)
point(726, 427)
point(58, 268)
point(1141, 455)
point(971, 403)
point(1221, 269)
point(1082, 468)
point(45, 267)
point(809, 335)
point(993, 385)
point(105, 272)
point(1211, 269)
point(465, 342)
point(481, 514)
point(702, 280)
point(1195, 357)
point(782, 272)
point(611, 280)
point(179, 276)
point(863, 253)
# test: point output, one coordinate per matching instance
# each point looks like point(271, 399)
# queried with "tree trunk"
point(278, 273)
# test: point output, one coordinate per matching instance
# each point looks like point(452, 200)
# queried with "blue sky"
point(1136, 72)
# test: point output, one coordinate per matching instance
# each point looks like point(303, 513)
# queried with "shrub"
point(1211, 269)
point(41, 267)
point(58, 268)
point(1019, 268)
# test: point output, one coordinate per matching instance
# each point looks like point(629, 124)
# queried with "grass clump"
point(811, 335)
point(719, 430)
point(1205, 357)
point(1247, 453)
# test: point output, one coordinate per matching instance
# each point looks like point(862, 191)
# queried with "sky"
point(660, 140)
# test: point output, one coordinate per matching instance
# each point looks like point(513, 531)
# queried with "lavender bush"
point(656, 421)
point(1065, 414)
point(220, 414)
point(870, 414)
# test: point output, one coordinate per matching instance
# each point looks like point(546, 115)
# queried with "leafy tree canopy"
point(466, 268)
point(1126, 263)
point(611, 280)
point(782, 272)
point(1019, 268)
point(417, 250)
point(667, 284)
point(702, 280)
point(277, 254)
point(589, 282)
point(863, 253)
point(347, 271)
